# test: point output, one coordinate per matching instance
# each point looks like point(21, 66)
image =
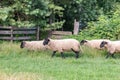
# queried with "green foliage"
point(44, 13)
point(23, 13)
point(106, 27)
point(55, 25)
point(56, 9)
point(28, 13)
point(85, 10)
point(55, 22)
point(4, 13)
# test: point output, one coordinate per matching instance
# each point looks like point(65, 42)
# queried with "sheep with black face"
point(63, 45)
point(33, 45)
point(93, 43)
point(111, 46)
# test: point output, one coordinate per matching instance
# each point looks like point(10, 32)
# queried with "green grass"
point(20, 64)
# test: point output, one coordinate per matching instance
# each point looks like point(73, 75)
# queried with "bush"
point(107, 27)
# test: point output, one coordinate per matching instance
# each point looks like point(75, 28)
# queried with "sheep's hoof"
point(77, 56)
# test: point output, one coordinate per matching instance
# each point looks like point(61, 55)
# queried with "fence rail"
point(10, 33)
point(60, 34)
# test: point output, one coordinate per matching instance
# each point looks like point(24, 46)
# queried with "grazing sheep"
point(33, 45)
point(93, 43)
point(111, 46)
point(63, 45)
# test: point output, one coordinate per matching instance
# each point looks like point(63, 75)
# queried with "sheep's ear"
point(105, 42)
point(47, 39)
point(23, 42)
point(83, 41)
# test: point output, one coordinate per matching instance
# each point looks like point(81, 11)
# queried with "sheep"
point(111, 46)
point(93, 43)
point(62, 45)
point(33, 45)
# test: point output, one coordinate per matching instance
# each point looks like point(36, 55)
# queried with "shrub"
point(107, 27)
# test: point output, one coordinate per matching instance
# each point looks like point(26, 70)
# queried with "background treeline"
point(98, 18)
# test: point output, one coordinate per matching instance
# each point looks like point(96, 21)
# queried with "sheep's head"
point(46, 41)
point(103, 43)
point(22, 44)
point(82, 42)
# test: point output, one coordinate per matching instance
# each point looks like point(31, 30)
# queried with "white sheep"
point(93, 43)
point(63, 45)
point(33, 45)
point(111, 46)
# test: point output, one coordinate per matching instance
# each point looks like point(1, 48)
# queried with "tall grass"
point(21, 64)
point(90, 52)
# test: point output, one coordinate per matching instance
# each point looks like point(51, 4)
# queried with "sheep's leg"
point(76, 52)
point(112, 55)
point(62, 55)
point(53, 53)
point(108, 55)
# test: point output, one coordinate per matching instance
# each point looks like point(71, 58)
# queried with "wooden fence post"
point(37, 34)
point(76, 27)
point(11, 28)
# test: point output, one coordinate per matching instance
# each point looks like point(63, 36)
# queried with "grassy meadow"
point(21, 64)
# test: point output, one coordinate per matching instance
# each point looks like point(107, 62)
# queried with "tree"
point(106, 27)
point(27, 13)
point(85, 10)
